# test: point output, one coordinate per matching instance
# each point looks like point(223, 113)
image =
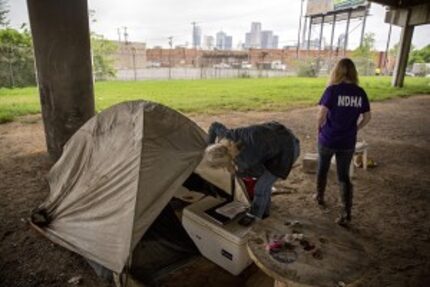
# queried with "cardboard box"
point(310, 162)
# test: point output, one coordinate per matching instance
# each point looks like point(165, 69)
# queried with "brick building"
point(130, 55)
point(256, 57)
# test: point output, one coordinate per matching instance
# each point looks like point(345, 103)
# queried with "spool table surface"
point(327, 256)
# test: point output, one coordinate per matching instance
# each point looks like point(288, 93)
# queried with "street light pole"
point(170, 56)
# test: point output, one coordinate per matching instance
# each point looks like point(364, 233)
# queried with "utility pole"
point(133, 54)
point(300, 28)
point(125, 35)
point(118, 30)
point(170, 56)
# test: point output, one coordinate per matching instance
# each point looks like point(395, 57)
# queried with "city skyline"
point(152, 23)
point(256, 38)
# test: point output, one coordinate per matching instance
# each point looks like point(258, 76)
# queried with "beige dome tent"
point(116, 175)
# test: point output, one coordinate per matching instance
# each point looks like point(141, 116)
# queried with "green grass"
point(213, 96)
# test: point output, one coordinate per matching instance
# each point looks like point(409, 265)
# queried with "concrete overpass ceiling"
point(400, 3)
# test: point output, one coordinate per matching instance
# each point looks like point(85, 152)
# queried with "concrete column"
point(387, 49)
point(363, 27)
point(304, 32)
point(345, 45)
point(61, 40)
point(310, 32)
point(402, 56)
point(321, 35)
point(300, 28)
point(332, 34)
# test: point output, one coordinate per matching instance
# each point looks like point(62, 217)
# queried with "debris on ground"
point(76, 280)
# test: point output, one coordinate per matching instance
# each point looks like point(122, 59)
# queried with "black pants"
point(343, 161)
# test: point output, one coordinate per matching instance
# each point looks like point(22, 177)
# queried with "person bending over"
point(266, 151)
point(338, 121)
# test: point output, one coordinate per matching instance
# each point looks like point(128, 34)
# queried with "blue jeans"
point(343, 161)
point(260, 206)
point(262, 198)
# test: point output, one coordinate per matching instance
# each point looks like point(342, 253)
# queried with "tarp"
point(115, 176)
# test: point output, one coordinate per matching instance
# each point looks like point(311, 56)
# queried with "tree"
point(3, 13)
point(16, 53)
point(363, 55)
point(394, 51)
point(102, 51)
point(420, 55)
point(16, 58)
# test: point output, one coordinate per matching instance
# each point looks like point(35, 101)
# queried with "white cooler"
point(225, 245)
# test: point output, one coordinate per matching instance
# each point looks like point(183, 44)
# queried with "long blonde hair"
point(221, 154)
point(344, 71)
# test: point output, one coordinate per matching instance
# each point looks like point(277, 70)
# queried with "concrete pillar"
point(310, 32)
point(363, 27)
point(304, 32)
point(300, 28)
point(61, 40)
point(402, 56)
point(332, 34)
point(348, 20)
point(321, 34)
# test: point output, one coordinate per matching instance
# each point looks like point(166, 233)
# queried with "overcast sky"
point(152, 21)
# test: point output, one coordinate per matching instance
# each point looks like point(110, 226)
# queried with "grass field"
point(213, 96)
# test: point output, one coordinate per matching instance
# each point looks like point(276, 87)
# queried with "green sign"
point(345, 4)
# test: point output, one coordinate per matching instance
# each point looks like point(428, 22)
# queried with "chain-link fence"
point(319, 66)
point(16, 66)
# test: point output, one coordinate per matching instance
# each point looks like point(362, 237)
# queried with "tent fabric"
point(116, 175)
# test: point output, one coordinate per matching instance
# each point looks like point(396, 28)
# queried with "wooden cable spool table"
point(326, 256)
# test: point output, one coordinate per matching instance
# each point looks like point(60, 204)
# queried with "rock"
point(76, 280)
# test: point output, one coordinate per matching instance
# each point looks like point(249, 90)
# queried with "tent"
point(115, 181)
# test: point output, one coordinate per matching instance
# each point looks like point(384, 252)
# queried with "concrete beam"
point(402, 57)
point(416, 15)
point(61, 40)
point(399, 3)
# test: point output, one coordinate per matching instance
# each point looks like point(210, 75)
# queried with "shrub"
point(308, 69)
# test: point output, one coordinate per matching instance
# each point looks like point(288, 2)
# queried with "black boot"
point(346, 198)
point(319, 195)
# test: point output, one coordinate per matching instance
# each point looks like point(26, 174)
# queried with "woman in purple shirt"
point(339, 120)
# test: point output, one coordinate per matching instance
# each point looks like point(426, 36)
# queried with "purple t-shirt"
point(345, 103)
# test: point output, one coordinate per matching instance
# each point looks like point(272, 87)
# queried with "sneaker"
point(247, 220)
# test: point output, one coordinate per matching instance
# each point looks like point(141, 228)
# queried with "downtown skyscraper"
point(257, 38)
point(197, 36)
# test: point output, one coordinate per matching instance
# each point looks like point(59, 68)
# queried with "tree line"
point(17, 66)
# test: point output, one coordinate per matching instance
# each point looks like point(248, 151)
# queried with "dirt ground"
point(391, 213)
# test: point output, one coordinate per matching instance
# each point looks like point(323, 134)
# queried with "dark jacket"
point(269, 146)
